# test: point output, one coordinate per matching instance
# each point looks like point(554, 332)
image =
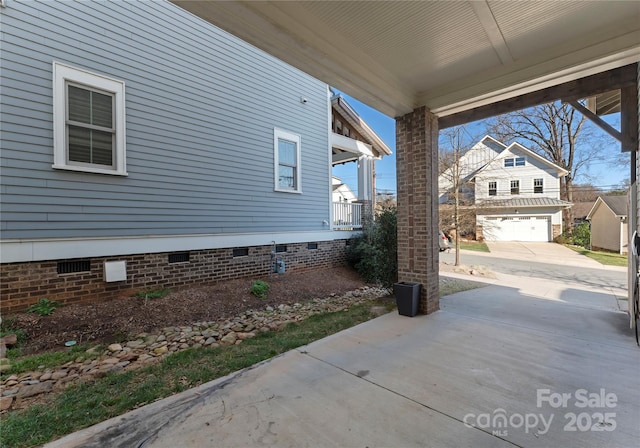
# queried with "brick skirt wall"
point(23, 284)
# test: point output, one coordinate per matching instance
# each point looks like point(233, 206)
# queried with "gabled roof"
point(616, 204)
point(340, 104)
point(488, 137)
point(523, 203)
point(581, 209)
point(561, 171)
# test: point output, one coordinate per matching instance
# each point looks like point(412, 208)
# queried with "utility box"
point(115, 271)
point(280, 267)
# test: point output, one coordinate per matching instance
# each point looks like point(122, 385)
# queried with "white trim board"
point(18, 251)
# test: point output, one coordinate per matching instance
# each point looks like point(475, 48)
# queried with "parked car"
point(443, 242)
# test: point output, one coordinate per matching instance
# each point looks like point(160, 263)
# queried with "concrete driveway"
point(540, 252)
point(499, 366)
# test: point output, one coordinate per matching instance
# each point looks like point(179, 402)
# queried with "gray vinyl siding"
point(201, 107)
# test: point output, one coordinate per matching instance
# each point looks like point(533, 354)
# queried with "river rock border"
point(147, 348)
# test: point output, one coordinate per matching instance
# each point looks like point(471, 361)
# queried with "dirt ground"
point(114, 320)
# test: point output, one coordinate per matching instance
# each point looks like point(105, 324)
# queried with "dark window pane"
point(79, 104)
point(102, 148)
point(90, 146)
point(86, 106)
point(102, 109)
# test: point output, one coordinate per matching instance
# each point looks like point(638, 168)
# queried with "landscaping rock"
point(59, 374)
point(34, 389)
point(147, 348)
point(5, 403)
point(160, 350)
point(114, 348)
point(229, 339)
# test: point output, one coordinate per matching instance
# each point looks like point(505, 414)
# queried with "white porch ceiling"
point(447, 55)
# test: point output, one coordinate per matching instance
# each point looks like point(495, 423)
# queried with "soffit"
point(449, 56)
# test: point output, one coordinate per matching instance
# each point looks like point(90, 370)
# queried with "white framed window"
point(538, 185)
point(287, 161)
point(514, 161)
point(493, 188)
point(515, 187)
point(88, 122)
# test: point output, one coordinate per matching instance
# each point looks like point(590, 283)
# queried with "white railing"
point(347, 215)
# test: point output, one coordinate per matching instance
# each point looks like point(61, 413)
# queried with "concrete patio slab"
point(484, 371)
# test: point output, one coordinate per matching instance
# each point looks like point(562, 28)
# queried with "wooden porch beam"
point(618, 78)
point(606, 127)
point(629, 118)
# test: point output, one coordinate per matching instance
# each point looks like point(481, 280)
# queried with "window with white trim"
point(538, 185)
point(493, 188)
point(89, 122)
point(287, 161)
point(514, 161)
point(515, 187)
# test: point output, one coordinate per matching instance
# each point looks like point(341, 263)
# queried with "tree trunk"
point(567, 213)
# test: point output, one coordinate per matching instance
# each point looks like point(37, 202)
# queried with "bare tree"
point(557, 132)
point(586, 192)
point(455, 187)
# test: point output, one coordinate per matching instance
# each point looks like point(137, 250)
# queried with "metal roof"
point(523, 203)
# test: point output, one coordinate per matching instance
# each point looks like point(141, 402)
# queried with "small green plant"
point(44, 307)
point(150, 293)
point(260, 289)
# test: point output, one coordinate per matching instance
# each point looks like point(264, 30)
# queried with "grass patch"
point(608, 258)
point(86, 404)
point(150, 294)
point(48, 360)
point(450, 286)
point(475, 246)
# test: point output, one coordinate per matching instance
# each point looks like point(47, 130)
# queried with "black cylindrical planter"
point(407, 297)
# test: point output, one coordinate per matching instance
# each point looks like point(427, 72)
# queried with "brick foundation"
point(417, 181)
point(23, 284)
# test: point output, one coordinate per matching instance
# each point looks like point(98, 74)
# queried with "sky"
point(604, 174)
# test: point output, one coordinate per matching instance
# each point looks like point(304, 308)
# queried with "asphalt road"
point(599, 278)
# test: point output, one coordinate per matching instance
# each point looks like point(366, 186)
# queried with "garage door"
point(516, 228)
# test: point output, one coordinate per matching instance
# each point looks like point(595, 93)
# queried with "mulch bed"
point(114, 320)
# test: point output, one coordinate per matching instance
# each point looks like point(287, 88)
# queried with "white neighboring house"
point(341, 191)
point(516, 192)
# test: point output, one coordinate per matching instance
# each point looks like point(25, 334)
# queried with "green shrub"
point(44, 307)
point(582, 235)
point(260, 289)
point(375, 254)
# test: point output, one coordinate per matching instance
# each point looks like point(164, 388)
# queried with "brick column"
point(417, 184)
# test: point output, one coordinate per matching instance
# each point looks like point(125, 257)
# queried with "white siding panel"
point(201, 106)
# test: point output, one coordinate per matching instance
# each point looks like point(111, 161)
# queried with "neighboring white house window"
point(514, 161)
point(515, 187)
point(493, 188)
point(538, 186)
point(89, 122)
point(287, 161)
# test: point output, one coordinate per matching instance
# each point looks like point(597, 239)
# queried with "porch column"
point(417, 189)
point(365, 188)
